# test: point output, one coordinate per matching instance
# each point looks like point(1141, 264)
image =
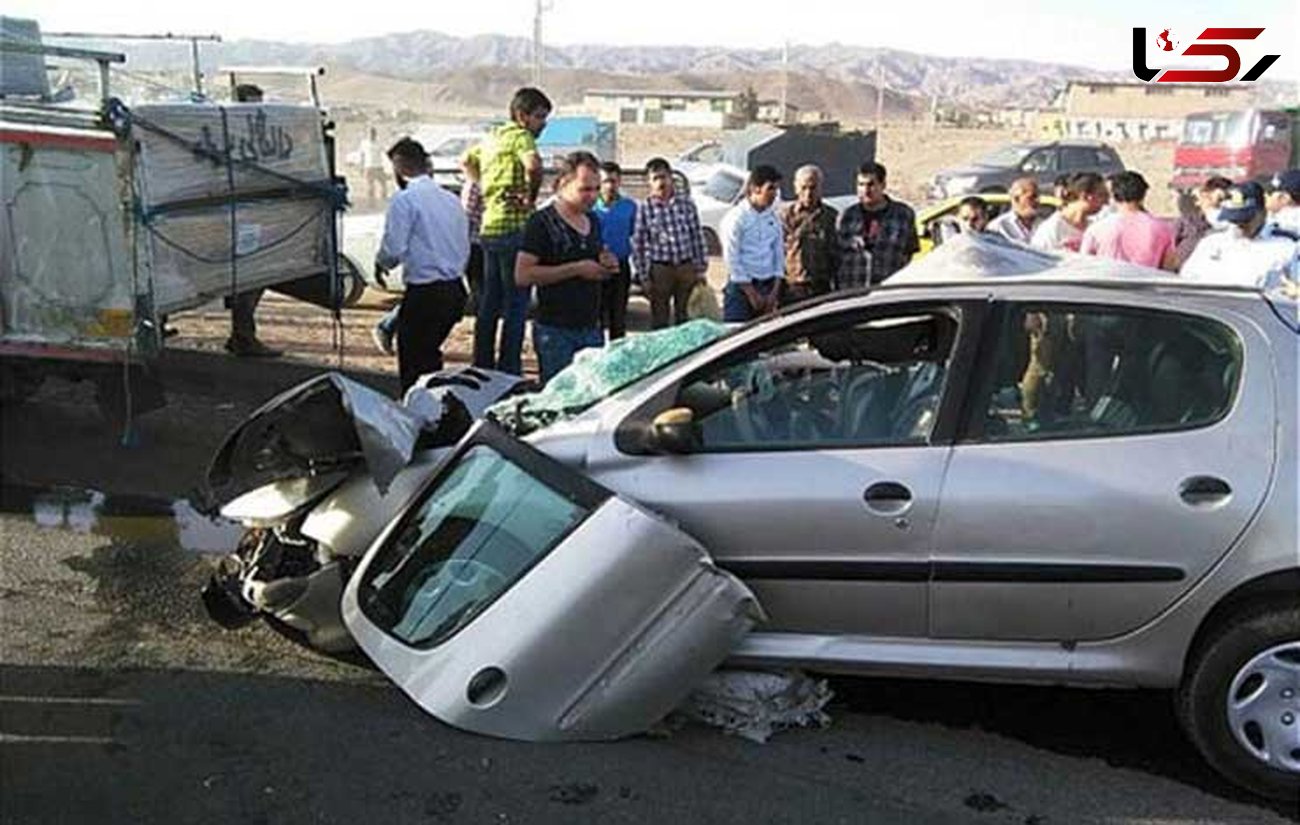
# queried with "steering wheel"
point(760, 408)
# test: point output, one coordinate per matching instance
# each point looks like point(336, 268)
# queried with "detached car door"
point(515, 597)
point(821, 448)
point(1114, 454)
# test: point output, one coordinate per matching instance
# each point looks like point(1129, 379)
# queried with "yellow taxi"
point(929, 218)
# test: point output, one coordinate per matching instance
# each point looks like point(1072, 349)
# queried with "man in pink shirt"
point(1131, 233)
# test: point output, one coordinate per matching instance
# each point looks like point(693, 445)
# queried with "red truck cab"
point(1243, 145)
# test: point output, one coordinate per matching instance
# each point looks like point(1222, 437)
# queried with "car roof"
point(1080, 142)
point(990, 261)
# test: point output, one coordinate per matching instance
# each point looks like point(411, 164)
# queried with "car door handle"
point(887, 498)
point(1204, 491)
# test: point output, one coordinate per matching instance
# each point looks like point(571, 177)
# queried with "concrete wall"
point(1113, 129)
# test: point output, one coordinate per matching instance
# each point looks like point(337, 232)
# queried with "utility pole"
point(785, 81)
point(540, 7)
point(880, 93)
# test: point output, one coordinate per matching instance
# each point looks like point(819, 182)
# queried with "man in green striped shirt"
point(509, 170)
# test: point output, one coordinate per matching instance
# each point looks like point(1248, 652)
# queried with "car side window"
point(1063, 371)
point(1081, 158)
point(876, 381)
point(1043, 160)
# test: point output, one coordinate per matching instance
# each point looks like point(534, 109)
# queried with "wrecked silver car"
point(1080, 472)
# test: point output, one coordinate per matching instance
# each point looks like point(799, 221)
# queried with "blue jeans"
point(735, 307)
point(501, 300)
point(556, 346)
point(388, 323)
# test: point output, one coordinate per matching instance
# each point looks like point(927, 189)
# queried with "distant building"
point(769, 111)
point(716, 110)
point(1124, 111)
point(1014, 117)
point(1153, 100)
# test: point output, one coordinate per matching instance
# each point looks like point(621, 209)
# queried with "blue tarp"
point(569, 133)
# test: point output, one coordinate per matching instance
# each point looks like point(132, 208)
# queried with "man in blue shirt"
point(425, 231)
point(753, 246)
point(617, 215)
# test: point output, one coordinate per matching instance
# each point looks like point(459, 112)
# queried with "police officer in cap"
point(1247, 252)
point(1284, 202)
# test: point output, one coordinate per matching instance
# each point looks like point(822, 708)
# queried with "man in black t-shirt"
point(562, 255)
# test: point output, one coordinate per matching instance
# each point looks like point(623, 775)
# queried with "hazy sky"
point(1090, 33)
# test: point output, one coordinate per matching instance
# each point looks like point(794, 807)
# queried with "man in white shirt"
point(753, 246)
point(1085, 195)
point(1019, 222)
point(425, 231)
point(1248, 253)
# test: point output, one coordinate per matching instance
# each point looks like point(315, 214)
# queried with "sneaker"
point(382, 338)
point(251, 349)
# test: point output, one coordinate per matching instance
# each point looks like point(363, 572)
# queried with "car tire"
point(354, 282)
point(1255, 652)
point(712, 245)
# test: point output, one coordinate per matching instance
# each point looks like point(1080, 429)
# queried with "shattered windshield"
point(596, 374)
point(475, 534)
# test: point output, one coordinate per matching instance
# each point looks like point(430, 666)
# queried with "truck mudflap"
point(517, 598)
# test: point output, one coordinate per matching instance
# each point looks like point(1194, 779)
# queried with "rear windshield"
point(473, 535)
point(1007, 156)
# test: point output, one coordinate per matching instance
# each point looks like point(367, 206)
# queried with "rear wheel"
point(353, 282)
point(1240, 700)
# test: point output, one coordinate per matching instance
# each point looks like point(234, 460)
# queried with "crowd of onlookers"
point(581, 246)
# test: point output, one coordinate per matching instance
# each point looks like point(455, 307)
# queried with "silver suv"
point(1086, 477)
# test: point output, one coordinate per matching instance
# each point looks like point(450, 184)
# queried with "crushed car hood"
point(332, 422)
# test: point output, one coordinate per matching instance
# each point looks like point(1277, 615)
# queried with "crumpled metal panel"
point(325, 421)
point(974, 256)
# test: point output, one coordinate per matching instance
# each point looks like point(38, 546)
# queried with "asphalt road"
point(121, 702)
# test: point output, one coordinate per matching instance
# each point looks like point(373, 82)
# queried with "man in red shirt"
point(1131, 233)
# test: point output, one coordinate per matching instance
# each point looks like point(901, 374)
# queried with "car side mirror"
point(675, 431)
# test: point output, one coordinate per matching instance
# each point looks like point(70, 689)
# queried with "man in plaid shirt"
point(877, 234)
point(667, 246)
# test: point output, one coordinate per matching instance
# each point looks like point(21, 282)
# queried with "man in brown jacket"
point(812, 252)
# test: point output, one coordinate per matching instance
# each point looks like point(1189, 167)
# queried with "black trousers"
point(613, 300)
point(426, 318)
point(243, 326)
